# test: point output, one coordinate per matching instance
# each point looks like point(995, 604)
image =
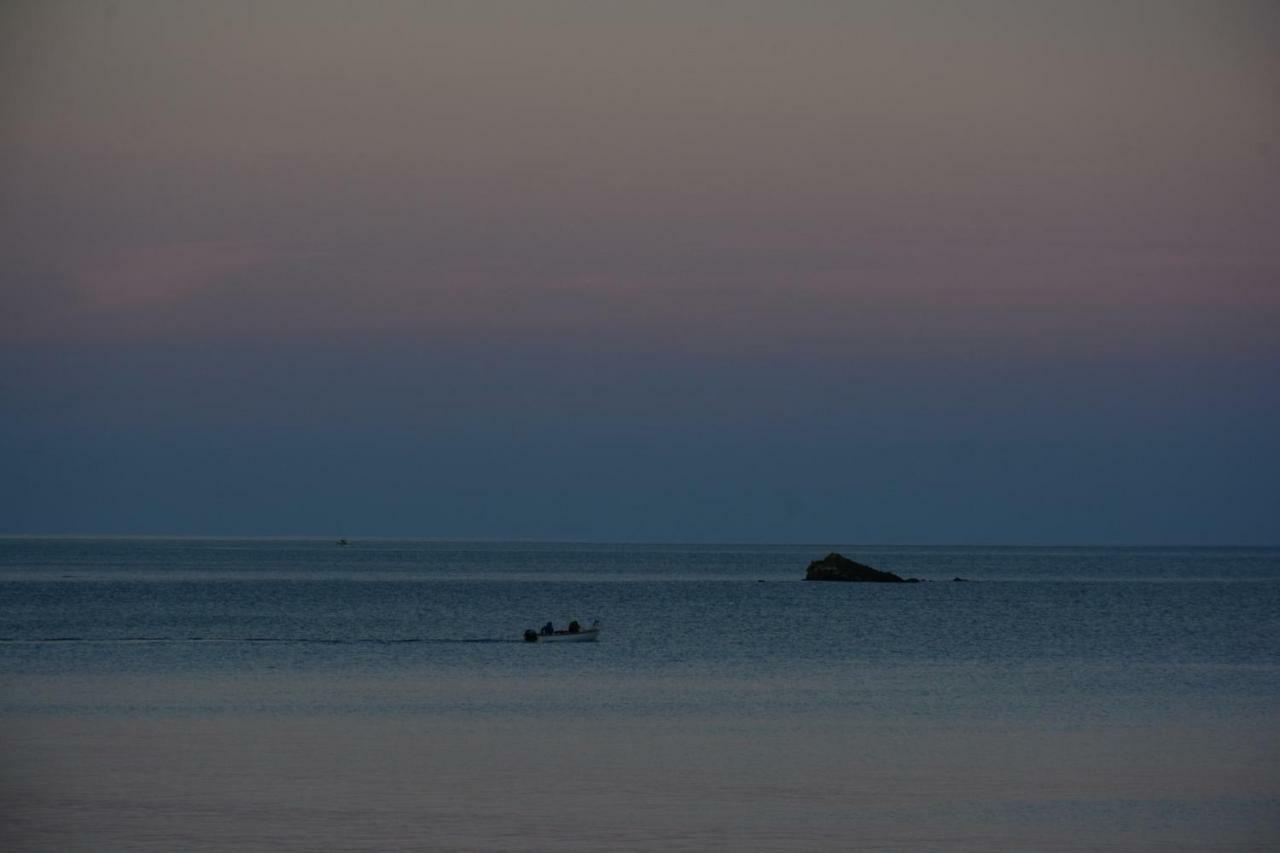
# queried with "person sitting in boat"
point(548, 629)
point(574, 627)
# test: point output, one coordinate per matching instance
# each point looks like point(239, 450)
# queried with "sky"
point(847, 272)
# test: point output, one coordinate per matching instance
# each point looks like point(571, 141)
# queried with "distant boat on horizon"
point(573, 634)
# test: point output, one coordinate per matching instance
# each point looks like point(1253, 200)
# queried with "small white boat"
point(572, 634)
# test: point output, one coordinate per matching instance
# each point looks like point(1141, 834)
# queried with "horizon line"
point(489, 540)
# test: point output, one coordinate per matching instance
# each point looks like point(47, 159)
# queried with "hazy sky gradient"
point(823, 271)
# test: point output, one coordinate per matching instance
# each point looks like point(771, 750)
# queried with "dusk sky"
point(847, 272)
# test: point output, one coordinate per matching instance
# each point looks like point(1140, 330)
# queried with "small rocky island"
point(837, 567)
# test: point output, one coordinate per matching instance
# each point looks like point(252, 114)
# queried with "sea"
point(299, 695)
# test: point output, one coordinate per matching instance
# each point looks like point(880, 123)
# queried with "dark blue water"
point(1184, 625)
point(1050, 663)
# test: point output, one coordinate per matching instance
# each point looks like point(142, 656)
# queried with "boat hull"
point(588, 635)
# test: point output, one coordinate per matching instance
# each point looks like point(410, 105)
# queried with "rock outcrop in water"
point(836, 567)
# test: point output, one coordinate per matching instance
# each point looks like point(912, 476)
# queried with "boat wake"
point(324, 641)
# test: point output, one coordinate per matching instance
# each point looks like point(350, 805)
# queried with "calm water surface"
point(216, 694)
